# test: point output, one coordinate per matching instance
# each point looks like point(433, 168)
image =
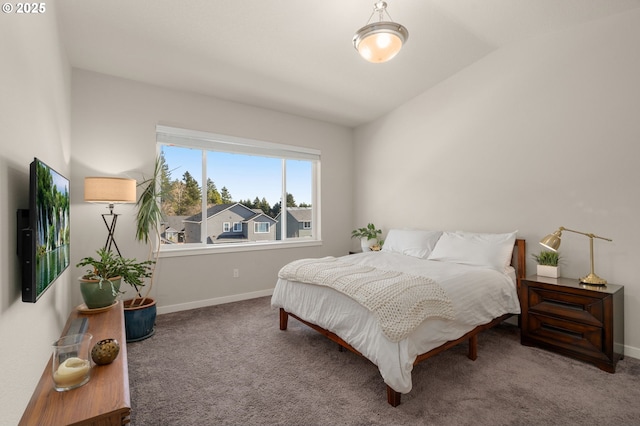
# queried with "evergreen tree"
point(193, 196)
point(177, 206)
point(213, 196)
point(275, 210)
point(290, 201)
point(225, 195)
point(264, 206)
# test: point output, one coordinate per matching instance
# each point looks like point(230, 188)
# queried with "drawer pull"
point(561, 330)
point(565, 305)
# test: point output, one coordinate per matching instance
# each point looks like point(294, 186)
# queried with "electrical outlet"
point(236, 273)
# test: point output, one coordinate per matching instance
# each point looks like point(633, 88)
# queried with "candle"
point(71, 372)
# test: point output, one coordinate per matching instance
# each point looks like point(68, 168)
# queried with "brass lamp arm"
point(562, 228)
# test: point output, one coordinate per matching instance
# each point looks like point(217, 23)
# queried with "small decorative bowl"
point(105, 351)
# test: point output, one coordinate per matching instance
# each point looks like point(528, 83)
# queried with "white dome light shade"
point(380, 41)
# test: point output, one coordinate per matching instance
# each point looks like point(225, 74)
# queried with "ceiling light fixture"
point(380, 41)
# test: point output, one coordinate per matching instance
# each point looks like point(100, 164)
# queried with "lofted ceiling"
point(296, 56)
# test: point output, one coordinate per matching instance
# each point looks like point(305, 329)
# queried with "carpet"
point(231, 365)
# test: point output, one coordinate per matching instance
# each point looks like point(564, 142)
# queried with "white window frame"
point(226, 227)
point(206, 141)
point(306, 224)
point(237, 226)
point(257, 225)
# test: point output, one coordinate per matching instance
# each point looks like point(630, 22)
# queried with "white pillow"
point(487, 250)
point(412, 242)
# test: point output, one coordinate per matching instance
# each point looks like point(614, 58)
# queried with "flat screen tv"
point(43, 234)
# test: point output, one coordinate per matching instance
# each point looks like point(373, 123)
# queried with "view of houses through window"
point(241, 200)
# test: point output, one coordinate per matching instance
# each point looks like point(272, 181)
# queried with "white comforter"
point(478, 296)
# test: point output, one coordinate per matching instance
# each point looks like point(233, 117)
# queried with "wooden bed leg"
point(473, 347)
point(393, 397)
point(284, 319)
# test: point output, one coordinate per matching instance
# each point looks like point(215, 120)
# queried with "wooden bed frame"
point(393, 397)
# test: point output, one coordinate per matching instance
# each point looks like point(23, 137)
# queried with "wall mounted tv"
point(43, 231)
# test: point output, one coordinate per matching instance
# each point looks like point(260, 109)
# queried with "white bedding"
point(478, 295)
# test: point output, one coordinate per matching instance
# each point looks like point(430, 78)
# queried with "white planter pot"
point(366, 244)
point(548, 271)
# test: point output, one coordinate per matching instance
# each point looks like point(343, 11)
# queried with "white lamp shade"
point(109, 190)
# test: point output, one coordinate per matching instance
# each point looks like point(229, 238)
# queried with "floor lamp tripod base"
point(111, 228)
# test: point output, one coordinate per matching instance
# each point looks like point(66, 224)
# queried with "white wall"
point(535, 136)
point(113, 133)
point(34, 122)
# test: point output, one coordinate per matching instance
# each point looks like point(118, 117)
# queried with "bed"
point(469, 283)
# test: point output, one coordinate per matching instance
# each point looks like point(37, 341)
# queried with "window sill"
point(202, 249)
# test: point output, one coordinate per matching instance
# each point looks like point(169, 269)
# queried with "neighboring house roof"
point(217, 209)
point(214, 210)
point(175, 222)
point(301, 214)
point(258, 214)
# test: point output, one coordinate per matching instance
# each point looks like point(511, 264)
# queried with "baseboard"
point(631, 352)
point(212, 302)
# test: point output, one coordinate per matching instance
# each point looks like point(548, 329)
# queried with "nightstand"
point(577, 320)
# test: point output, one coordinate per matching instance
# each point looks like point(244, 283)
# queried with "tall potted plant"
point(140, 312)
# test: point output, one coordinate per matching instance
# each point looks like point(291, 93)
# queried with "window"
point(270, 187)
point(261, 227)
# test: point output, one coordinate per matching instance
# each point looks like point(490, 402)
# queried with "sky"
point(244, 176)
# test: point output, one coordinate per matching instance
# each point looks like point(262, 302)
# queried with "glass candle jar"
point(71, 365)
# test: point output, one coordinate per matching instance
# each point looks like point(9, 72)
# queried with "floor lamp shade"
point(109, 190)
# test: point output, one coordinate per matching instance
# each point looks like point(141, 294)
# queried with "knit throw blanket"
point(400, 302)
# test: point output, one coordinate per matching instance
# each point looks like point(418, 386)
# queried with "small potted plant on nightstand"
point(368, 236)
point(548, 263)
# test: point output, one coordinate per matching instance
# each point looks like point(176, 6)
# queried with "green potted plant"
point(547, 263)
point(140, 312)
point(100, 285)
point(368, 236)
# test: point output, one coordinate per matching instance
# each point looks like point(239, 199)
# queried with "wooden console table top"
point(104, 400)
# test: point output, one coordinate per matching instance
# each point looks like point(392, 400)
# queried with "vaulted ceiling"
point(296, 56)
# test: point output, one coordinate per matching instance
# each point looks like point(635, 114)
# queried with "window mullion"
point(203, 225)
point(283, 203)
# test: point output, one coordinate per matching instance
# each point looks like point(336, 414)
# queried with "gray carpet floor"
point(231, 365)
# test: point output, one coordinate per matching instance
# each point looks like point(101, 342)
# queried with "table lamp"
point(110, 190)
point(552, 242)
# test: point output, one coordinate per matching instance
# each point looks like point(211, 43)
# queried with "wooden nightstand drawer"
point(580, 321)
point(584, 309)
point(568, 335)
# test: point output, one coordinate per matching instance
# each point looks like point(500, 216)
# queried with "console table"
point(104, 400)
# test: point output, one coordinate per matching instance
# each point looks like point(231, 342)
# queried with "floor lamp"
point(110, 190)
